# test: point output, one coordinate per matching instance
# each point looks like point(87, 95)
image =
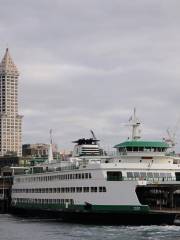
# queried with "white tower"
point(50, 152)
point(10, 120)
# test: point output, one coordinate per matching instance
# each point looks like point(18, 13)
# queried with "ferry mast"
point(134, 122)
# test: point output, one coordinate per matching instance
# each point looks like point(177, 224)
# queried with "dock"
point(5, 193)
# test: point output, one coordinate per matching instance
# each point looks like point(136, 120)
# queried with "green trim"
point(148, 144)
point(85, 208)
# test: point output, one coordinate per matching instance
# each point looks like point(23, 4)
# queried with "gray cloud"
point(86, 63)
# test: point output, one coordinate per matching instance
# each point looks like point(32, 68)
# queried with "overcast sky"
point(85, 64)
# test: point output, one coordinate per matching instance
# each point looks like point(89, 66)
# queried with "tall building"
point(10, 120)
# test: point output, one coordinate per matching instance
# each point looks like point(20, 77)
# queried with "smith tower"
point(10, 120)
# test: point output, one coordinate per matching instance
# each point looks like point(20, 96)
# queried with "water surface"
point(15, 228)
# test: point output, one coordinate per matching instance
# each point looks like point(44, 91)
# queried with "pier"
point(5, 193)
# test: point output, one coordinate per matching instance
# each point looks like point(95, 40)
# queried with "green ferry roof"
point(148, 144)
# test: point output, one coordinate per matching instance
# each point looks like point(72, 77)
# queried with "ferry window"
point(150, 175)
point(135, 149)
point(79, 189)
point(168, 175)
point(114, 176)
point(162, 175)
point(82, 175)
point(90, 175)
point(129, 174)
point(102, 189)
point(71, 201)
point(136, 174)
point(129, 149)
point(156, 175)
point(177, 176)
point(86, 189)
point(143, 174)
point(93, 189)
point(86, 175)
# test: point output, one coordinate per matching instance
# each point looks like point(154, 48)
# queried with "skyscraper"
point(10, 120)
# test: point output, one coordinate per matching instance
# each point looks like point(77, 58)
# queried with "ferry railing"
point(50, 170)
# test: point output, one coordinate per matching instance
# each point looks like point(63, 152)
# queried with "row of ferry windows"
point(148, 175)
point(142, 149)
point(43, 201)
point(55, 177)
point(61, 190)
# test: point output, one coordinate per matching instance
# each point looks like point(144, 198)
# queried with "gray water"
point(14, 228)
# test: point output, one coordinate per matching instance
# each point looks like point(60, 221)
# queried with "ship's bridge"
point(147, 148)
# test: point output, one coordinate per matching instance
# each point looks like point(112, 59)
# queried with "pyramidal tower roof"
point(7, 65)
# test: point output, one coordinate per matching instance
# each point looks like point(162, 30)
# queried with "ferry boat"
point(140, 185)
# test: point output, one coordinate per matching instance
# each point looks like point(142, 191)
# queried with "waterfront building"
point(40, 150)
point(10, 120)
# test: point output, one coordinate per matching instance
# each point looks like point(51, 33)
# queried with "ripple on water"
point(14, 228)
